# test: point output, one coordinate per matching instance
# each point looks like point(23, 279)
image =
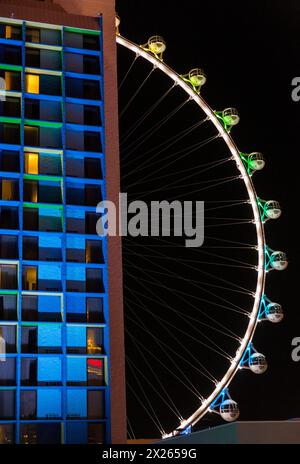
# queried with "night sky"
point(250, 52)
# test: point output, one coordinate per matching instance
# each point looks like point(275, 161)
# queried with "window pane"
point(8, 372)
point(96, 405)
point(49, 370)
point(76, 371)
point(76, 404)
point(28, 400)
point(49, 404)
point(32, 83)
point(30, 308)
point(94, 340)
point(94, 281)
point(29, 371)
point(29, 339)
point(95, 372)
point(94, 251)
point(7, 404)
point(31, 163)
point(49, 308)
point(9, 161)
point(30, 248)
point(76, 310)
point(8, 277)
point(77, 433)
point(76, 339)
point(8, 307)
point(95, 310)
point(8, 333)
point(9, 218)
point(7, 432)
point(96, 434)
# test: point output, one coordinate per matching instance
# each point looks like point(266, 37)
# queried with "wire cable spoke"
point(165, 145)
point(193, 284)
point(128, 72)
point(217, 348)
point(174, 290)
point(140, 121)
point(175, 158)
point(184, 262)
point(178, 416)
point(195, 173)
point(135, 94)
point(166, 305)
point(182, 171)
point(142, 139)
point(190, 388)
point(173, 405)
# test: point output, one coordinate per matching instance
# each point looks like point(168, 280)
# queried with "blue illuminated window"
point(76, 371)
point(48, 403)
point(49, 370)
point(76, 403)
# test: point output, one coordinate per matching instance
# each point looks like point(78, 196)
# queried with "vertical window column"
point(64, 246)
point(19, 341)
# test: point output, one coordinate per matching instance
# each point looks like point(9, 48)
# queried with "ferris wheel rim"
point(260, 235)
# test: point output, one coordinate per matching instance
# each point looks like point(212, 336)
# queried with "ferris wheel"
point(192, 323)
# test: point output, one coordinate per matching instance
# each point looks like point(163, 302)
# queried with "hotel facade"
point(61, 312)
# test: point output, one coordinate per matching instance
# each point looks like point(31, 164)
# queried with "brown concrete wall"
point(46, 12)
point(84, 13)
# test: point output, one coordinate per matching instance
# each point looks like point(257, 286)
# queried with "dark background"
point(250, 52)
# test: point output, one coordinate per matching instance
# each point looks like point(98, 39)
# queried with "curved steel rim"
point(260, 286)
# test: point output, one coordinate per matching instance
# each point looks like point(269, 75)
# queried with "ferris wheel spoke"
point(151, 416)
point(204, 300)
point(157, 298)
point(182, 171)
point(183, 347)
point(175, 158)
point(205, 284)
point(176, 353)
point(230, 205)
point(218, 349)
point(128, 72)
point(164, 321)
point(228, 224)
point(174, 245)
point(227, 258)
point(121, 114)
point(196, 251)
point(234, 242)
point(242, 265)
point(193, 284)
point(176, 414)
point(165, 145)
point(195, 173)
point(189, 386)
point(130, 429)
point(140, 121)
point(219, 218)
point(150, 132)
point(139, 322)
point(237, 289)
point(172, 405)
point(218, 184)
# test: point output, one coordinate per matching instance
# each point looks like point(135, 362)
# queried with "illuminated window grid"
point(31, 86)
